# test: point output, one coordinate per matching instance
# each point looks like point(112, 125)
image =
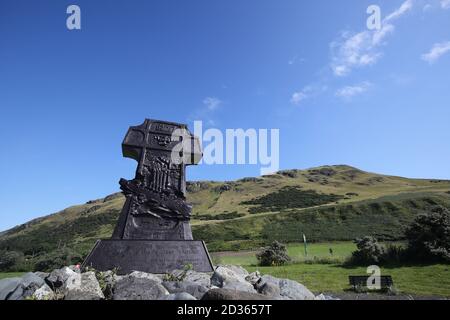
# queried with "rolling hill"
point(326, 203)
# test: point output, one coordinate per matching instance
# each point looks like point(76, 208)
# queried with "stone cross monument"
point(153, 233)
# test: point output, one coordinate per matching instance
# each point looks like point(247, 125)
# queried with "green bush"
point(369, 252)
point(289, 198)
point(273, 255)
point(57, 259)
point(429, 235)
point(10, 260)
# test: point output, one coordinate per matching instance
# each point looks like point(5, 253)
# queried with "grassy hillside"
point(330, 203)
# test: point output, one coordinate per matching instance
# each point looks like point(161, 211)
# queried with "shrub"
point(57, 259)
point(394, 254)
point(429, 235)
point(369, 251)
point(273, 255)
point(9, 260)
point(289, 198)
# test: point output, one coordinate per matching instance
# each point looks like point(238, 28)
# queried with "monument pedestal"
point(152, 256)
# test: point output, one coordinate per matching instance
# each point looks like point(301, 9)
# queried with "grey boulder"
point(239, 286)
point(44, 293)
point(228, 274)
point(289, 289)
point(199, 278)
point(20, 288)
point(294, 290)
point(82, 286)
point(270, 289)
point(194, 289)
point(10, 289)
point(253, 277)
point(58, 277)
point(30, 282)
point(228, 294)
point(145, 275)
point(179, 296)
point(135, 288)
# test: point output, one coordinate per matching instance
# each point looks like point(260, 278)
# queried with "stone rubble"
point(227, 282)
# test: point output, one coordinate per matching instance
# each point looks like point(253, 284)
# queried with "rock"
point(253, 277)
point(44, 293)
point(107, 281)
point(58, 277)
point(134, 288)
point(179, 296)
point(227, 274)
point(145, 275)
point(199, 278)
point(42, 275)
point(265, 279)
point(8, 288)
point(239, 286)
point(30, 282)
point(227, 294)
point(294, 290)
point(237, 270)
point(82, 287)
point(20, 288)
point(325, 297)
point(194, 289)
point(289, 289)
point(270, 289)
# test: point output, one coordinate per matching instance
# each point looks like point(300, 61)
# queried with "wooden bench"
point(386, 282)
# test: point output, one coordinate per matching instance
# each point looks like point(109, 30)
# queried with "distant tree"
point(57, 259)
point(429, 235)
point(9, 260)
point(369, 251)
point(273, 255)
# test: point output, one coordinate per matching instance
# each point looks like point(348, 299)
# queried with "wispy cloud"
point(362, 49)
point(445, 4)
point(405, 7)
point(207, 111)
point(212, 103)
point(295, 59)
point(438, 50)
point(349, 92)
point(307, 92)
point(427, 7)
point(298, 97)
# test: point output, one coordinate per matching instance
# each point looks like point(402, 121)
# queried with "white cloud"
point(295, 59)
point(350, 91)
point(363, 49)
point(307, 92)
point(353, 51)
point(299, 96)
point(445, 4)
point(405, 7)
point(212, 103)
point(427, 7)
point(436, 52)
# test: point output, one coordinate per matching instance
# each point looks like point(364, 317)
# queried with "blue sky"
point(338, 92)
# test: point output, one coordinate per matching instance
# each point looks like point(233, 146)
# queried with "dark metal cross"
point(162, 149)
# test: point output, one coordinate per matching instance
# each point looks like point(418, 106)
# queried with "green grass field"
point(4, 275)
point(320, 274)
point(316, 252)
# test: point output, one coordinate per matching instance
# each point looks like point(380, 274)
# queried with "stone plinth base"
point(152, 256)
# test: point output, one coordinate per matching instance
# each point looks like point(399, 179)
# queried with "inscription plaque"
point(148, 256)
point(153, 233)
